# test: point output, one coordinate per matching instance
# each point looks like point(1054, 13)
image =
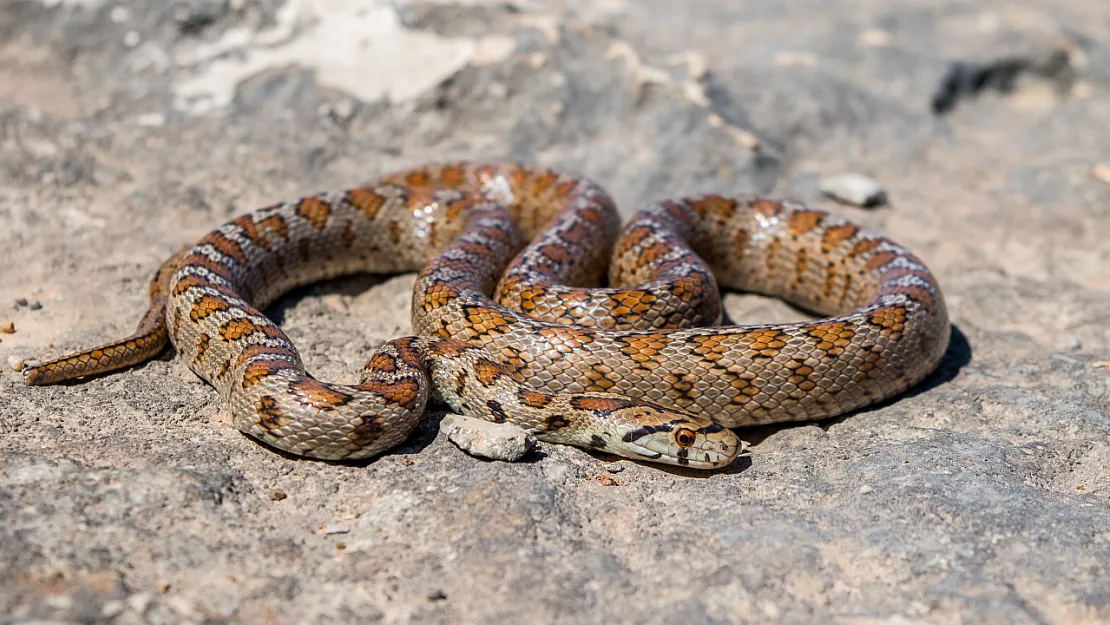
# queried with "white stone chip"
point(855, 189)
point(485, 439)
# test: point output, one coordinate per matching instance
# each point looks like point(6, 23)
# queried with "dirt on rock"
point(129, 129)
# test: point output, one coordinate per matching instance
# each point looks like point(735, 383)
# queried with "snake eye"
point(684, 437)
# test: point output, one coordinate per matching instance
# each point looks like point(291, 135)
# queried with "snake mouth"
point(692, 458)
point(713, 448)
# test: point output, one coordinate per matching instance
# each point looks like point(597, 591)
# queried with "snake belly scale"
point(510, 324)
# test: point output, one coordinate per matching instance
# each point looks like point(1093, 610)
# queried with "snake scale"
point(510, 324)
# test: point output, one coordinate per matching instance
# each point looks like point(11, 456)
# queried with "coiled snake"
point(635, 369)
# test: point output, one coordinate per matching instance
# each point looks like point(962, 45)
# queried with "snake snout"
point(671, 437)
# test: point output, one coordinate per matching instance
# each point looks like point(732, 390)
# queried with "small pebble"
point(119, 14)
point(605, 480)
point(863, 490)
point(340, 111)
point(151, 120)
point(855, 189)
point(21, 302)
point(182, 606)
point(16, 363)
point(406, 462)
point(436, 594)
point(34, 305)
point(8, 328)
point(485, 439)
point(58, 602)
point(1076, 344)
point(614, 468)
point(112, 609)
point(329, 530)
point(1101, 172)
point(276, 494)
point(139, 603)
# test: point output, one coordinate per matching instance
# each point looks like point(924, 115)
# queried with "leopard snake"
point(523, 334)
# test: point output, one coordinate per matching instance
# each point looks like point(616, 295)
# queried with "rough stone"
point(485, 439)
point(855, 189)
point(125, 135)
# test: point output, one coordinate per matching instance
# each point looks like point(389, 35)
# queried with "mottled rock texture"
point(128, 129)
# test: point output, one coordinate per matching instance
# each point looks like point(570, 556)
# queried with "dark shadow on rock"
point(740, 464)
point(423, 436)
point(967, 80)
point(351, 286)
point(955, 358)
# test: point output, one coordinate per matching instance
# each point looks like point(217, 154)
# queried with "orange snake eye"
point(684, 437)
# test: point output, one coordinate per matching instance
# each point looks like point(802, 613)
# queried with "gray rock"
point(485, 439)
point(855, 189)
point(981, 496)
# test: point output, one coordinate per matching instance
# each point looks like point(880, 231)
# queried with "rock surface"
point(854, 189)
point(496, 441)
point(128, 129)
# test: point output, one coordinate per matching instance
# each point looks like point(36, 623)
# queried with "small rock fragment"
point(1101, 172)
point(875, 38)
point(16, 363)
point(58, 602)
point(436, 594)
point(34, 305)
point(139, 603)
point(795, 59)
point(614, 468)
point(21, 302)
point(276, 494)
point(863, 490)
point(329, 530)
point(8, 328)
point(485, 439)
point(854, 189)
point(112, 609)
point(151, 120)
point(605, 480)
point(183, 607)
point(119, 15)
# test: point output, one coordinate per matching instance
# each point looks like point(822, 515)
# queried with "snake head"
point(650, 432)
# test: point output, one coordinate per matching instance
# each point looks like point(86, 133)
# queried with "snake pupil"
point(684, 437)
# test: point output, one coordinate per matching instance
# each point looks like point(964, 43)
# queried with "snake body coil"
point(635, 369)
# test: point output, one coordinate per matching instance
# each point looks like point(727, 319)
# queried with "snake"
point(533, 305)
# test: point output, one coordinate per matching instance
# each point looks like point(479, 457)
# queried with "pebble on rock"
point(855, 189)
point(485, 439)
